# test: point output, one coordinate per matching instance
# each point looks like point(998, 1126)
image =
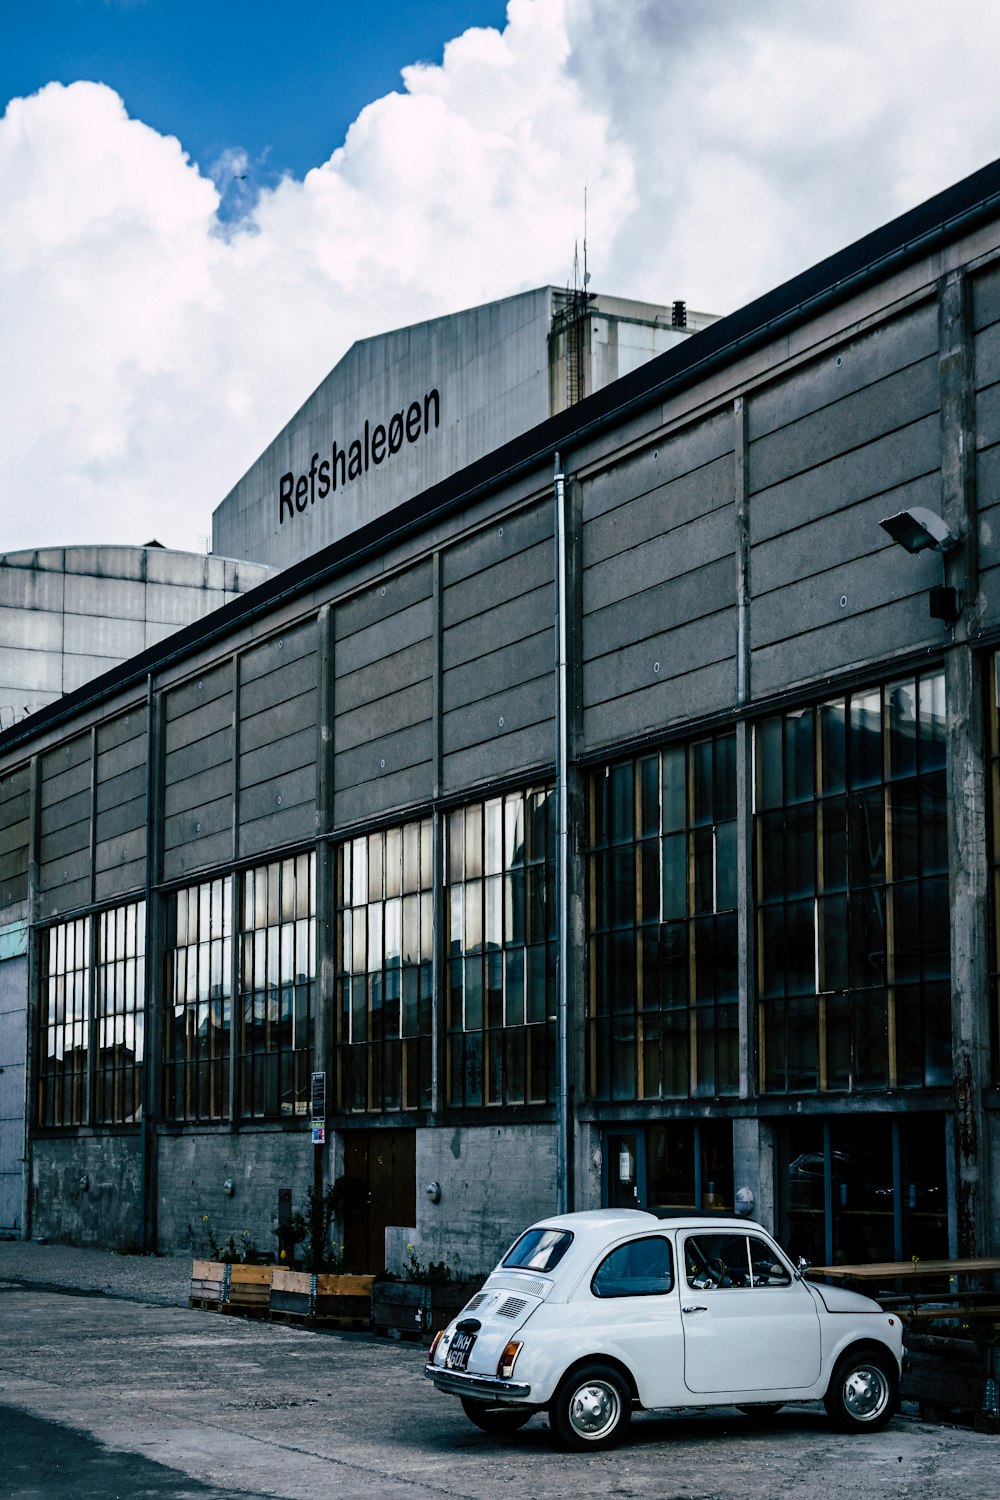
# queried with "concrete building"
point(405, 410)
point(611, 821)
point(67, 614)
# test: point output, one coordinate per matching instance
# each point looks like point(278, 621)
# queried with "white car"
point(590, 1315)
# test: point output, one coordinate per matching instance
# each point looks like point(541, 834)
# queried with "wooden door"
point(380, 1166)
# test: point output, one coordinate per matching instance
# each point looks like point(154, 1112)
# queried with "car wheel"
point(591, 1408)
point(496, 1419)
point(863, 1393)
point(764, 1410)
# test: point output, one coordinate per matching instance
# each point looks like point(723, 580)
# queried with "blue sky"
point(282, 81)
point(165, 310)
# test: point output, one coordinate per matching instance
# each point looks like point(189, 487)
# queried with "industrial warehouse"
point(598, 807)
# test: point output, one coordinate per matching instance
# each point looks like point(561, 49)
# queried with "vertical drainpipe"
point(563, 1125)
point(151, 1011)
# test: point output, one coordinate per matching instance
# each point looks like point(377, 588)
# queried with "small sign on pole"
point(319, 1135)
point(317, 1094)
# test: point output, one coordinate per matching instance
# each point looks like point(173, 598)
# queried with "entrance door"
point(623, 1179)
point(380, 1190)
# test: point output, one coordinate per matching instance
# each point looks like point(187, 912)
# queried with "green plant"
point(428, 1273)
point(228, 1252)
point(312, 1231)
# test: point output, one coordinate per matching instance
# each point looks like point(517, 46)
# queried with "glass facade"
point(662, 980)
point(119, 998)
point(501, 943)
point(198, 1002)
point(993, 751)
point(91, 1019)
point(851, 884)
point(64, 1030)
point(385, 953)
point(277, 988)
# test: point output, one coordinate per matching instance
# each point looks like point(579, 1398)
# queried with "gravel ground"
point(162, 1281)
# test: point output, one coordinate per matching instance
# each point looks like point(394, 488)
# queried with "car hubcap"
point(594, 1409)
point(865, 1392)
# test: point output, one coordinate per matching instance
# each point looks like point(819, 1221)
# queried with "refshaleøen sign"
point(296, 492)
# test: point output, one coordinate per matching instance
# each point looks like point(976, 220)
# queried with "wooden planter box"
point(328, 1296)
point(249, 1288)
point(209, 1283)
point(943, 1374)
point(410, 1309)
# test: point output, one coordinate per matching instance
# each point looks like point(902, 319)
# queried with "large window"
point(501, 978)
point(91, 1019)
point(277, 983)
point(197, 1004)
point(385, 950)
point(852, 892)
point(64, 1024)
point(662, 929)
point(119, 991)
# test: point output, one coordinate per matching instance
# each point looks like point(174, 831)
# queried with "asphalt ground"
point(109, 1388)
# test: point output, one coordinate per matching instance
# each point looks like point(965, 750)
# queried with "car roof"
point(599, 1221)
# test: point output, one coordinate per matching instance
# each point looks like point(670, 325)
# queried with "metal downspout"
point(563, 1126)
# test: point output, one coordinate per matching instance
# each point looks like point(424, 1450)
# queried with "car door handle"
point(694, 1309)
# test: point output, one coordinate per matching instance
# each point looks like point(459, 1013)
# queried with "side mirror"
point(802, 1266)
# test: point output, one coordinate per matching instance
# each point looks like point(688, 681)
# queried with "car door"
point(750, 1326)
point(630, 1308)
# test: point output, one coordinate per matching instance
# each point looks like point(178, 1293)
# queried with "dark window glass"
point(642, 1268)
point(64, 1023)
point(539, 1250)
point(277, 985)
point(198, 1002)
point(661, 922)
point(852, 919)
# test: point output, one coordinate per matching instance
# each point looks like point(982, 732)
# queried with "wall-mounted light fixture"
point(919, 528)
point(433, 1191)
point(229, 1187)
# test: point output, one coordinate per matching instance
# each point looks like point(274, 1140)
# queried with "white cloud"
point(150, 352)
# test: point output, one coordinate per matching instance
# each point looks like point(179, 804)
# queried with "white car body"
point(741, 1327)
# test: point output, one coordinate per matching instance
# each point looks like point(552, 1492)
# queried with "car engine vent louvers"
point(477, 1301)
point(511, 1307)
point(533, 1288)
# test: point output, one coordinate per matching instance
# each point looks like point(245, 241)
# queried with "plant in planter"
point(324, 1287)
point(423, 1299)
point(236, 1275)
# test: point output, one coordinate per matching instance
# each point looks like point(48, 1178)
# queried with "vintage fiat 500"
point(591, 1315)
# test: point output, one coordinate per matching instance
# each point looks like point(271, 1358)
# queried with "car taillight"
point(434, 1343)
point(508, 1360)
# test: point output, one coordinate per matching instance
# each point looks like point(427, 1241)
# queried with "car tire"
point(864, 1391)
point(592, 1408)
point(495, 1419)
point(763, 1412)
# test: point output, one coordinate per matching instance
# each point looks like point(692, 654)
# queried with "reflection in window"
point(501, 950)
point(198, 1002)
point(277, 982)
point(64, 1023)
point(642, 1268)
point(385, 950)
point(689, 1164)
point(857, 1191)
point(662, 928)
point(119, 991)
point(852, 892)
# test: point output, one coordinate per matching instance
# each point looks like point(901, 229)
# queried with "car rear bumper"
point(488, 1387)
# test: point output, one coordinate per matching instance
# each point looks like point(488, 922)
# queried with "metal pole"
point(563, 1126)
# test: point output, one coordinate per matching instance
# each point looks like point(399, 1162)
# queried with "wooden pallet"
point(332, 1322)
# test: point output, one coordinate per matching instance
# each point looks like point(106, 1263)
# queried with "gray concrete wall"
point(13, 1022)
point(86, 1190)
point(68, 614)
point(191, 1173)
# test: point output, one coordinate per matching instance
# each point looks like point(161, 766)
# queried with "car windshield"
point(539, 1249)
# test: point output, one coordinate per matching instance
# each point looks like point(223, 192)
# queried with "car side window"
point(642, 1268)
point(731, 1260)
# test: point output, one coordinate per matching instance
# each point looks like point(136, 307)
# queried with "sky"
point(204, 203)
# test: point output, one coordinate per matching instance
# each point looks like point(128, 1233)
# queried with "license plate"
point(459, 1350)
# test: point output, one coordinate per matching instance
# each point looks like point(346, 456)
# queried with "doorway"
point(684, 1164)
point(380, 1189)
